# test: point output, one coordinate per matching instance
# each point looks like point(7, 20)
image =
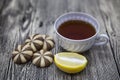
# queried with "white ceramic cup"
point(84, 44)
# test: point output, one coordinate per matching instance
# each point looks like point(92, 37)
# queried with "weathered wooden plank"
point(15, 32)
point(111, 17)
point(25, 17)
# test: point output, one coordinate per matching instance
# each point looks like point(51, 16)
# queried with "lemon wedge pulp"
point(70, 62)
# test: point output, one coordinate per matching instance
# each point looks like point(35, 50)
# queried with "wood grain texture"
point(112, 27)
point(21, 18)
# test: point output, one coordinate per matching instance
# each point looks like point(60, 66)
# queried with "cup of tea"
point(78, 32)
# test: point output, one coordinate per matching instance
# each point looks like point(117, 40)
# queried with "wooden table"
point(21, 18)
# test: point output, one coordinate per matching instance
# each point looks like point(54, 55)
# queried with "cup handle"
point(102, 39)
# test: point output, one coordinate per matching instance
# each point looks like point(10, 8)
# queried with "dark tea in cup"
point(76, 29)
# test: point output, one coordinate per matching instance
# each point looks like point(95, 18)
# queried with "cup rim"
point(97, 31)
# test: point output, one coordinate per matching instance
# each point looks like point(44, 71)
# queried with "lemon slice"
point(70, 62)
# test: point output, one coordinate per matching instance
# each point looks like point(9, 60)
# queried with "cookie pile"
point(36, 48)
